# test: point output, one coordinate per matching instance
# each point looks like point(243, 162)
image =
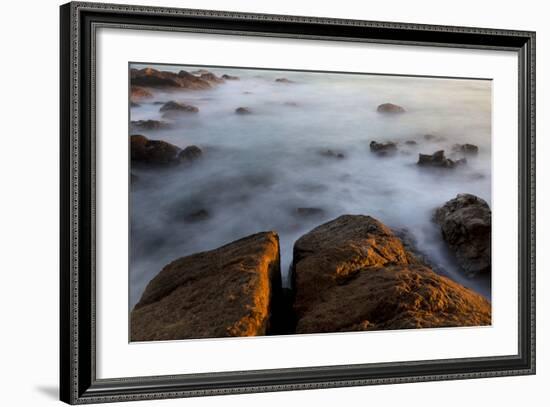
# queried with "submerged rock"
point(243, 110)
point(283, 80)
point(229, 291)
point(190, 153)
point(438, 159)
point(149, 124)
point(230, 77)
point(465, 223)
point(470, 149)
point(152, 152)
point(353, 273)
point(383, 148)
point(389, 108)
point(332, 154)
point(154, 78)
point(411, 143)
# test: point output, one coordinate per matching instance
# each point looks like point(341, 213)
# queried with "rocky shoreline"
point(349, 274)
point(352, 273)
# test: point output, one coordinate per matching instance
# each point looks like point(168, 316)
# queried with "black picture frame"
point(78, 382)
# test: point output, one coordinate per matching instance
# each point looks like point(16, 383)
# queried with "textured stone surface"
point(224, 292)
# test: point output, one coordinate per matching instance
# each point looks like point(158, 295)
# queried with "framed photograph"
point(255, 203)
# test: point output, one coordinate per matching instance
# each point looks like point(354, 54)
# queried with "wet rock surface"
point(465, 223)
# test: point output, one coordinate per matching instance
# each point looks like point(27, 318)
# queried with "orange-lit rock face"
point(353, 273)
point(219, 293)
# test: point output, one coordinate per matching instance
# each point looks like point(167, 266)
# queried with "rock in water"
point(466, 227)
point(190, 153)
point(178, 107)
point(353, 273)
point(243, 110)
point(389, 108)
point(470, 149)
point(383, 148)
point(138, 94)
point(149, 124)
point(230, 77)
point(152, 152)
point(154, 78)
point(438, 159)
point(229, 291)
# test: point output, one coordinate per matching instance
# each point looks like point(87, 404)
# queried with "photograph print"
point(278, 202)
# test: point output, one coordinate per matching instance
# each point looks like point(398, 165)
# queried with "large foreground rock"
point(466, 227)
point(223, 292)
point(353, 273)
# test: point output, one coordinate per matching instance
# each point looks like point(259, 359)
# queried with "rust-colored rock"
point(137, 94)
point(229, 291)
point(353, 273)
point(153, 78)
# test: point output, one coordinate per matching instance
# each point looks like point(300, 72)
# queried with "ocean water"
point(257, 169)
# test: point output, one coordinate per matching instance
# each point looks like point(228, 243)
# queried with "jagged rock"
point(229, 291)
point(465, 223)
point(230, 77)
point(190, 153)
point(332, 154)
point(469, 149)
point(389, 108)
point(154, 78)
point(243, 110)
point(353, 273)
point(152, 152)
point(439, 160)
point(149, 124)
point(383, 148)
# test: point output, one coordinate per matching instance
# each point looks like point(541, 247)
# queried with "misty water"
point(257, 169)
